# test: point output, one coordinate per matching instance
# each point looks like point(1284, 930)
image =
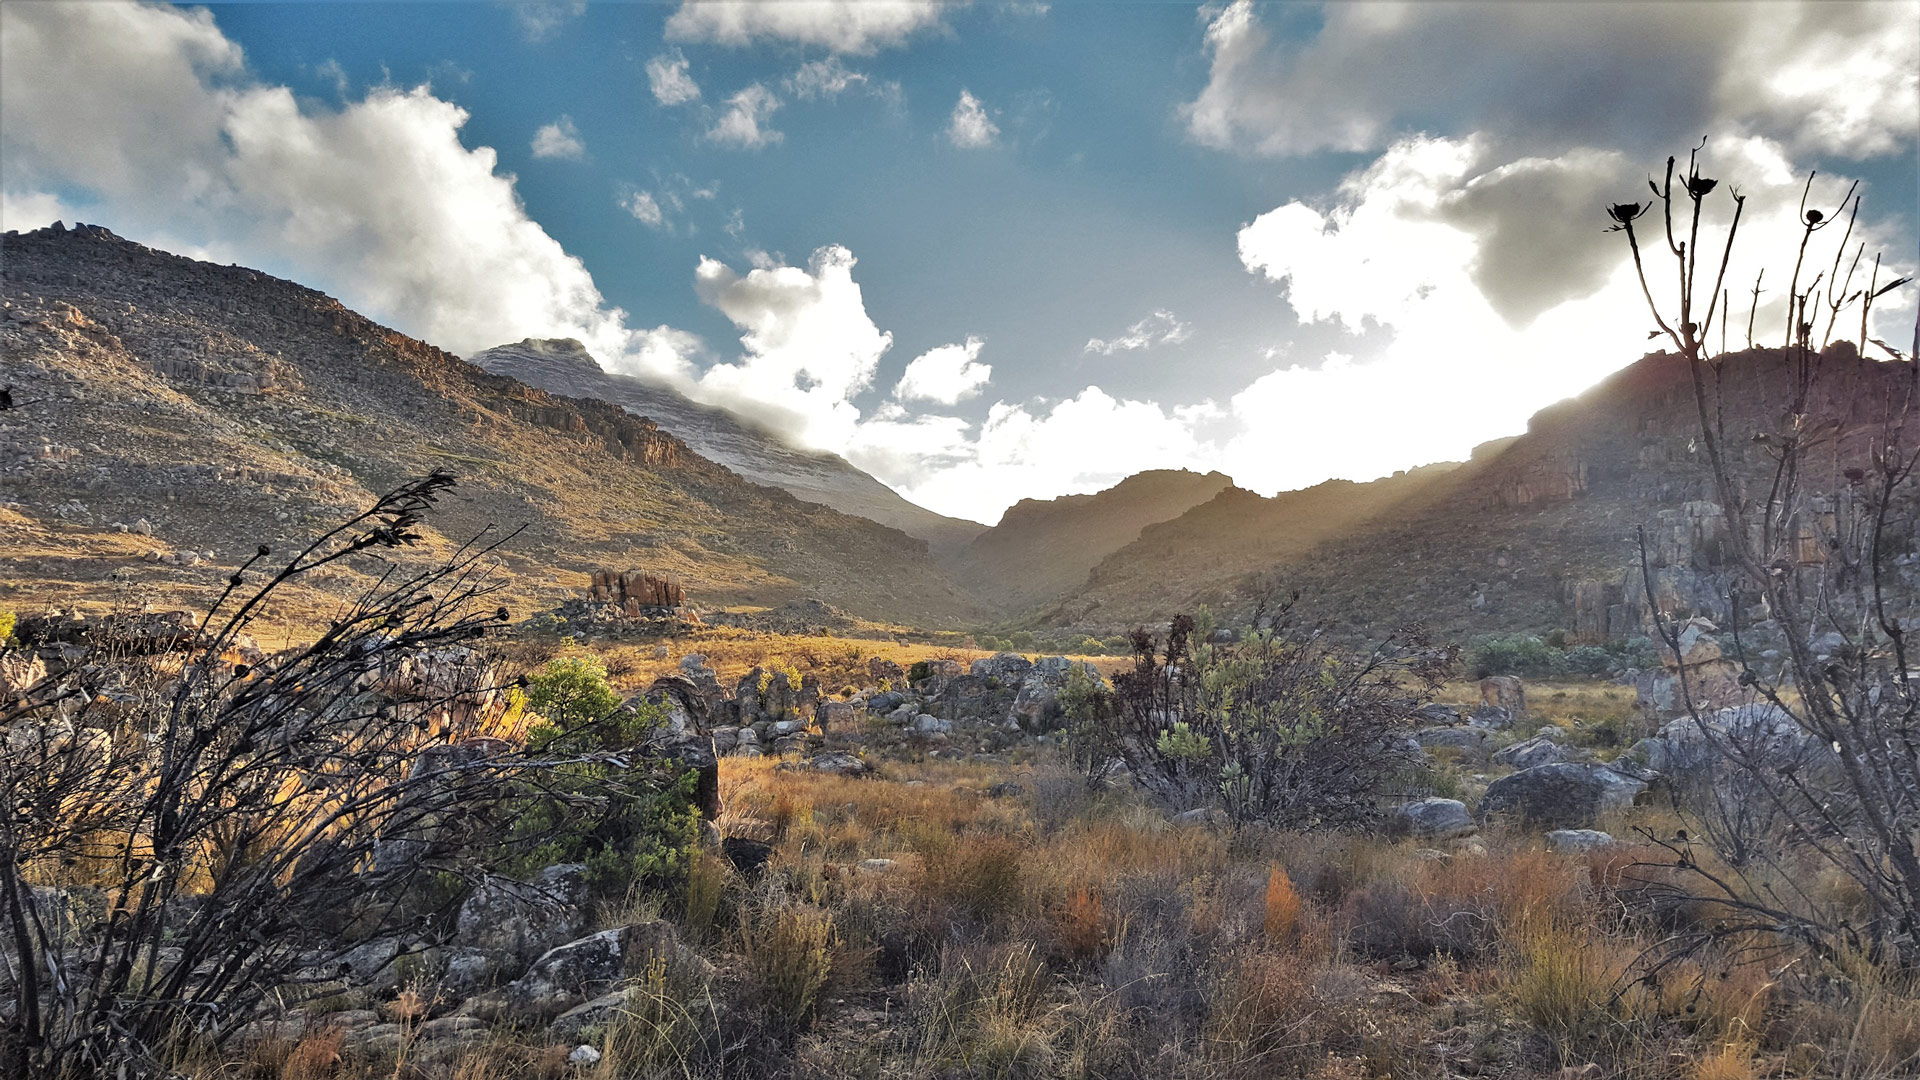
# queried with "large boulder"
point(1563, 795)
point(1761, 734)
point(522, 919)
point(1435, 819)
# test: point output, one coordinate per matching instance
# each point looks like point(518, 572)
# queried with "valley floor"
point(986, 914)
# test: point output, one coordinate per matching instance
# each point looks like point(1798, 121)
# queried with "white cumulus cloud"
point(845, 26)
point(1841, 78)
point(970, 128)
point(947, 375)
point(670, 77)
point(744, 123)
point(1159, 328)
point(809, 344)
point(560, 139)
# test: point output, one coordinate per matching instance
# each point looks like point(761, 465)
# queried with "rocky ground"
point(903, 877)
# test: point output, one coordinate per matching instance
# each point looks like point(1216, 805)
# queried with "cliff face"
point(565, 367)
point(174, 409)
point(1043, 548)
point(1535, 533)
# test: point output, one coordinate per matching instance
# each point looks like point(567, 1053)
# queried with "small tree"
point(1282, 726)
point(571, 691)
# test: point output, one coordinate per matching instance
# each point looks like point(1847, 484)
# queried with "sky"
point(993, 251)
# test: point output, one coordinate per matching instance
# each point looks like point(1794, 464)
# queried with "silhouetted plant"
point(229, 825)
point(1813, 535)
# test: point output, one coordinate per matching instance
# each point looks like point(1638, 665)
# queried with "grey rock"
point(839, 764)
point(1436, 713)
point(524, 919)
point(1007, 667)
point(1473, 744)
point(1543, 749)
point(1578, 841)
point(1436, 819)
point(1561, 796)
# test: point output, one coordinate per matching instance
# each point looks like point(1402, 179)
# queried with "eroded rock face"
point(521, 920)
point(1563, 795)
point(1436, 819)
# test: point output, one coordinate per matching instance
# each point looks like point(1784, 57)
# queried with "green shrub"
point(1513, 654)
point(1021, 639)
point(571, 691)
point(7, 619)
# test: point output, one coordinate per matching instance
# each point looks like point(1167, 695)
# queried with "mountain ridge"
point(564, 366)
point(185, 412)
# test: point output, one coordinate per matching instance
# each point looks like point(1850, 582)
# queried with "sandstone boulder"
point(1505, 692)
point(1006, 666)
point(572, 973)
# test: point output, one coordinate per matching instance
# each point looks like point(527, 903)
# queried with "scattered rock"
point(1473, 744)
point(1436, 819)
point(1578, 841)
point(1543, 749)
point(1436, 713)
point(583, 1055)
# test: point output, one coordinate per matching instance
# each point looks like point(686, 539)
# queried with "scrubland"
point(990, 915)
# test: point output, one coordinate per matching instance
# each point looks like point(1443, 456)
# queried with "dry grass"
point(1057, 933)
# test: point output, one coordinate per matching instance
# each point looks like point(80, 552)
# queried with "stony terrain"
point(174, 414)
point(565, 367)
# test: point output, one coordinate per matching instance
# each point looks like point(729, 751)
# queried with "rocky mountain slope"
point(1043, 548)
point(1534, 533)
point(169, 411)
point(564, 366)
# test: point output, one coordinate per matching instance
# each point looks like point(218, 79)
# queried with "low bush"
point(790, 956)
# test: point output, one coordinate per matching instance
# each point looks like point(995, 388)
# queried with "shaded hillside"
point(1203, 555)
point(563, 366)
point(1042, 549)
point(218, 408)
point(1536, 533)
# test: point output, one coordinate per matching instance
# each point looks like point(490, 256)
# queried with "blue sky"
point(986, 251)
